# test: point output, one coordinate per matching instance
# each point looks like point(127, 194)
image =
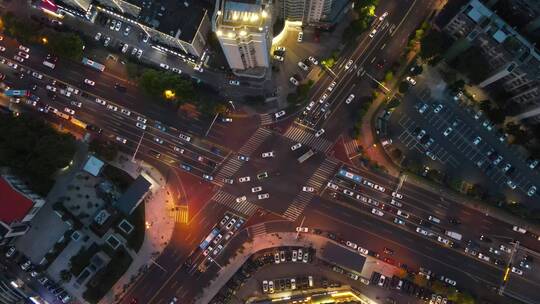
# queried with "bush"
point(79, 261)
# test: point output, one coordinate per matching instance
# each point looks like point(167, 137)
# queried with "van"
point(49, 64)
point(434, 219)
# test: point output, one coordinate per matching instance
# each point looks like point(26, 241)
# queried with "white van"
point(49, 64)
point(434, 219)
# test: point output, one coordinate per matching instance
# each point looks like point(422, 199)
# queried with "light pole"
point(137, 149)
point(300, 228)
point(232, 105)
point(210, 127)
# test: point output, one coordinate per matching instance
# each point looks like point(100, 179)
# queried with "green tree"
point(473, 64)
point(388, 76)
point(23, 30)
point(432, 44)
point(68, 45)
point(104, 150)
point(403, 87)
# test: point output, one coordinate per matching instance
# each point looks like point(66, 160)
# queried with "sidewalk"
point(258, 243)
point(159, 222)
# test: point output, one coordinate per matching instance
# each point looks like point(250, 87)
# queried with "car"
point(70, 111)
point(125, 48)
point(101, 101)
point(263, 196)
point(381, 18)
point(294, 81)
point(164, 66)
point(208, 177)
point(97, 36)
point(112, 107)
point(26, 265)
point(279, 58)
point(296, 146)
point(43, 280)
point(348, 64)
point(302, 229)
point(397, 195)
point(78, 104)
point(18, 58)
point(506, 167)
point(349, 99)
point(23, 55)
point(244, 179)
point(396, 203)
point(118, 26)
point(313, 60)
point(158, 140)
point(422, 231)
point(421, 134)
point(399, 221)
point(323, 98)
point(271, 286)
point(319, 133)
point(24, 48)
point(262, 175)
point(517, 271)
point(445, 241)
point(450, 281)
point(243, 158)
point(279, 114)
point(230, 224)
point(184, 137)
point(12, 65)
point(448, 131)
point(351, 244)
point(372, 33)
point(438, 108)
point(120, 139)
point(300, 36)
point(331, 86)
point(34, 274)
point(410, 80)
point(281, 49)
point(477, 140)
point(268, 154)
point(348, 192)
point(126, 30)
point(511, 184)
point(533, 163)
point(89, 82)
point(234, 82)
point(139, 54)
point(145, 38)
point(113, 24)
point(307, 189)
point(256, 189)
point(519, 229)
point(303, 66)
point(107, 41)
point(185, 167)
point(423, 108)
point(10, 252)
point(265, 286)
point(377, 212)
point(531, 191)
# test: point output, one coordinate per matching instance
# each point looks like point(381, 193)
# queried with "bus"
point(354, 177)
point(306, 155)
point(209, 238)
point(17, 93)
point(49, 64)
point(93, 64)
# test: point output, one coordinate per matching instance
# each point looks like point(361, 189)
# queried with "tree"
point(473, 64)
point(156, 83)
point(67, 45)
point(104, 150)
point(432, 44)
point(65, 275)
point(403, 87)
point(388, 76)
point(420, 280)
point(18, 28)
point(520, 136)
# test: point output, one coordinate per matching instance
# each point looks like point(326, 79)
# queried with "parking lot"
point(460, 142)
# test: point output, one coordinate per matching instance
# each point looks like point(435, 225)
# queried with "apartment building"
point(182, 26)
point(18, 207)
point(306, 11)
point(514, 61)
point(244, 31)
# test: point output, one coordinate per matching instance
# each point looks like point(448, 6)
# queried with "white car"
point(37, 75)
point(256, 189)
point(348, 65)
point(483, 257)
point(112, 108)
point(244, 179)
point(23, 48)
point(302, 229)
point(300, 36)
point(97, 36)
point(349, 99)
point(331, 86)
point(531, 191)
point(2, 48)
point(517, 271)
point(158, 140)
point(234, 82)
point(323, 98)
point(125, 48)
point(319, 133)
point(101, 101)
point(477, 140)
point(265, 285)
point(438, 108)
point(70, 111)
point(263, 196)
point(118, 26)
point(141, 119)
point(313, 60)
point(89, 82)
point(279, 114)
point(164, 66)
point(448, 131)
point(381, 18)
point(294, 81)
point(511, 184)
point(373, 32)
point(519, 229)
point(443, 240)
point(397, 195)
point(141, 126)
point(18, 58)
point(422, 231)
point(351, 244)
point(303, 66)
point(308, 189)
point(120, 139)
point(450, 281)
point(268, 154)
point(279, 58)
point(176, 70)
point(377, 212)
point(125, 112)
point(78, 104)
point(241, 199)
point(410, 80)
point(107, 41)
point(23, 55)
point(296, 146)
point(399, 221)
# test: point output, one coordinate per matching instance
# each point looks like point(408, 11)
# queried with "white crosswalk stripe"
point(321, 175)
point(266, 119)
point(308, 138)
point(254, 141)
point(258, 229)
point(244, 208)
point(233, 164)
point(351, 147)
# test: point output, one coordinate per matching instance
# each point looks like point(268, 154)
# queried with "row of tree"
point(365, 10)
point(34, 150)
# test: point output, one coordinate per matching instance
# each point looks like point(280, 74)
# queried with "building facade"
point(514, 61)
point(18, 207)
point(244, 31)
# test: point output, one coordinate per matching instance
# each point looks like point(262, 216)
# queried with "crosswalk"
point(266, 119)
point(258, 229)
point(244, 208)
point(180, 214)
point(307, 138)
point(351, 147)
point(233, 164)
point(321, 175)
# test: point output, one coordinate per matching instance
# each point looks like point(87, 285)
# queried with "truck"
point(454, 235)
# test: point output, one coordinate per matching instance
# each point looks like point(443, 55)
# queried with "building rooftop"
point(179, 19)
point(136, 191)
point(14, 206)
point(93, 165)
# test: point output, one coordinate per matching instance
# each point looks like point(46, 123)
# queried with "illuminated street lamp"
point(169, 94)
point(44, 40)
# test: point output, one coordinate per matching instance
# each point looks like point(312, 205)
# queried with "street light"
point(44, 40)
point(169, 94)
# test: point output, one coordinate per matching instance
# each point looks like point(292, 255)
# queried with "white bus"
point(49, 64)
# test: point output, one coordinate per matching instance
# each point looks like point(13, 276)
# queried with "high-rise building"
point(244, 31)
point(307, 11)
